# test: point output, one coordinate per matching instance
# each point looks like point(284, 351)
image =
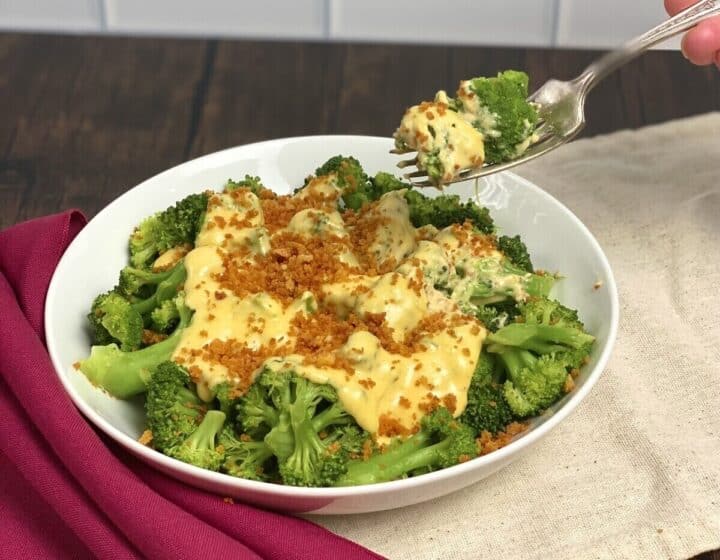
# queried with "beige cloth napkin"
point(634, 472)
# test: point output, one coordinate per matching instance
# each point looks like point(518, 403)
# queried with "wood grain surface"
point(83, 119)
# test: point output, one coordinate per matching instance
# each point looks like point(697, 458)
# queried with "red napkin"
point(65, 491)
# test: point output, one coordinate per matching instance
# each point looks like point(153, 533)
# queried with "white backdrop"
point(563, 23)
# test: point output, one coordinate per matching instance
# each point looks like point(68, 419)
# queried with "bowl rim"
point(498, 457)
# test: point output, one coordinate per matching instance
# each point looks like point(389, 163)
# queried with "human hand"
point(701, 45)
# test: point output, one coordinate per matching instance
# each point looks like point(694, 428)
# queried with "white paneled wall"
point(564, 23)
point(264, 18)
point(606, 23)
point(62, 15)
point(494, 22)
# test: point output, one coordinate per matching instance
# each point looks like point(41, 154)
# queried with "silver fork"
point(561, 105)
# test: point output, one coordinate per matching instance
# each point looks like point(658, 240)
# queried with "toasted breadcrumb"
point(489, 442)
point(146, 437)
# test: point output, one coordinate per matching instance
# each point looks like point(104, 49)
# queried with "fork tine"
point(543, 137)
point(422, 184)
point(407, 162)
point(415, 174)
point(400, 152)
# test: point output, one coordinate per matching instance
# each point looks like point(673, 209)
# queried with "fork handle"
point(635, 47)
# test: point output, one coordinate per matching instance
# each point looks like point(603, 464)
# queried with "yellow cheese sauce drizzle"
point(381, 383)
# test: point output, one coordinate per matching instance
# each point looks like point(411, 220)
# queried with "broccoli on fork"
point(500, 110)
point(489, 122)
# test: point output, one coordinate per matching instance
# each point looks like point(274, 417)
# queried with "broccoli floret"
point(440, 212)
point(489, 281)
point(303, 425)
point(446, 210)
point(166, 287)
point(257, 413)
point(538, 352)
point(385, 182)
point(177, 225)
point(141, 284)
point(551, 312)
point(114, 320)
point(508, 120)
point(314, 461)
point(495, 315)
point(534, 383)
point(124, 374)
point(117, 317)
point(228, 397)
point(350, 178)
point(487, 409)
point(201, 447)
point(173, 409)
point(249, 182)
point(430, 162)
point(164, 318)
point(515, 250)
point(441, 442)
point(246, 458)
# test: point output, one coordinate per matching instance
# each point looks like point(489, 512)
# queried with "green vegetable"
point(512, 119)
point(253, 460)
point(487, 409)
point(297, 425)
point(489, 280)
point(177, 225)
point(201, 447)
point(173, 409)
point(515, 250)
point(538, 353)
point(249, 182)
point(124, 374)
point(440, 212)
point(441, 442)
point(113, 319)
point(119, 317)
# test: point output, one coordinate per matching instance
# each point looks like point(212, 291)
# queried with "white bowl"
point(556, 238)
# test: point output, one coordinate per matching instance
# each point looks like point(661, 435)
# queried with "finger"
point(701, 44)
point(675, 6)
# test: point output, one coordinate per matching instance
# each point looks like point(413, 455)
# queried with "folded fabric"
point(68, 492)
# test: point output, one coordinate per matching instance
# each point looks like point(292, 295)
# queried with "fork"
point(561, 105)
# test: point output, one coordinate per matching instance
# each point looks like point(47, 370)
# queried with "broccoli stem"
point(200, 448)
point(124, 374)
point(395, 463)
point(207, 431)
point(166, 289)
point(515, 359)
point(542, 339)
point(332, 415)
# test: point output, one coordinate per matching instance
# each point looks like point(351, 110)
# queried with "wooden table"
point(84, 119)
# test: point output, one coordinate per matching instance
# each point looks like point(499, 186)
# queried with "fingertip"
point(675, 6)
point(701, 44)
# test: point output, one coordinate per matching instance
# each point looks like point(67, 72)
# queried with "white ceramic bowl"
point(556, 238)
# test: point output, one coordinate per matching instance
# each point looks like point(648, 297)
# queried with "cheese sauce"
point(442, 135)
point(386, 390)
